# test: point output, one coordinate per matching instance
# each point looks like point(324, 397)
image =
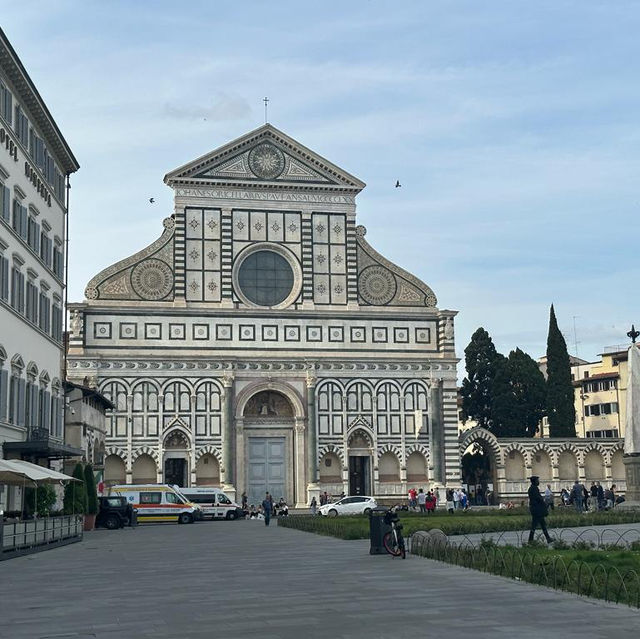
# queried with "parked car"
point(213, 502)
point(360, 505)
point(114, 512)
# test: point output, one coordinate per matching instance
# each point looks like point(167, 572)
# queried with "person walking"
point(456, 499)
point(244, 500)
point(314, 506)
point(576, 494)
point(267, 507)
point(538, 509)
point(421, 501)
point(548, 497)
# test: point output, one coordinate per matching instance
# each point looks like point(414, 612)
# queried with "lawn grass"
point(462, 523)
point(610, 574)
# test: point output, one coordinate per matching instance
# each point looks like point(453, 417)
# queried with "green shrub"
point(46, 500)
point(75, 494)
point(92, 493)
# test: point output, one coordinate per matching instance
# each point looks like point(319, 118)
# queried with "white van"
point(158, 502)
point(213, 502)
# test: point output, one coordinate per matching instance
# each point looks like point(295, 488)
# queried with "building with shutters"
point(35, 162)
point(261, 343)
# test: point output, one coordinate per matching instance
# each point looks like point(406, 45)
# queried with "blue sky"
point(512, 126)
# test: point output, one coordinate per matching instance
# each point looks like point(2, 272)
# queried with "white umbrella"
point(11, 475)
point(36, 473)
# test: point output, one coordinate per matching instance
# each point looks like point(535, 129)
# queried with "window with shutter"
point(5, 203)
point(21, 401)
point(4, 391)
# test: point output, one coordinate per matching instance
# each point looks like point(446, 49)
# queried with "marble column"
point(313, 489)
point(436, 432)
point(227, 438)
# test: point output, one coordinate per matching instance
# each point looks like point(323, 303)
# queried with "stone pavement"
point(622, 534)
point(241, 579)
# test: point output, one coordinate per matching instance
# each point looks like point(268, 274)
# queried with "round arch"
point(285, 389)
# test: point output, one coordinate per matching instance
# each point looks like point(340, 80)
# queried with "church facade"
point(261, 343)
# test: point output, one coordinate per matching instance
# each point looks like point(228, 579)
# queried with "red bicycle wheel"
point(391, 545)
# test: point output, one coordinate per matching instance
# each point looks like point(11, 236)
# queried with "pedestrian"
point(456, 499)
point(244, 500)
point(464, 499)
point(538, 509)
point(450, 501)
point(593, 497)
point(548, 497)
point(576, 494)
point(313, 506)
point(413, 498)
point(600, 495)
point(421, 500)
point(267, 507)
point(613, 495)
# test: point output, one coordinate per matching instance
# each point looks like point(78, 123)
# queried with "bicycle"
point(393, 541)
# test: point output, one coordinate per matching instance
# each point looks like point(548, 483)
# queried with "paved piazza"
point(241, 579)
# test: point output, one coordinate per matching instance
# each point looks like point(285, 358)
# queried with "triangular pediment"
point(264, 157)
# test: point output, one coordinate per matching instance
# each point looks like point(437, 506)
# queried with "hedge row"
point(456, 524)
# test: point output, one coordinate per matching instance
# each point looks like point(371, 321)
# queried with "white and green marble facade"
point(358, 348)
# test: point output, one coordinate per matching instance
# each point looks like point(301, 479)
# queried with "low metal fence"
point(586, 537)
point(582, 578)
point(23, 537)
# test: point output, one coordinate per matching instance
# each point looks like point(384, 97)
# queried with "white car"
point(360, 505)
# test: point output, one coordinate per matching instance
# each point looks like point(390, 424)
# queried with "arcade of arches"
point(502, 467)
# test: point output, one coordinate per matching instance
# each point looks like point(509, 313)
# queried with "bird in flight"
point(151, 200)
point(398, 184)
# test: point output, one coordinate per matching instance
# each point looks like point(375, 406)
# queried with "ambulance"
point(213, 502)
point(158, 502)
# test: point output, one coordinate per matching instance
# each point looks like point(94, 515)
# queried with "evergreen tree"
point(92, 493)
point(75, 494)
point(560, 397)
point(482, 362)
point(519, 395)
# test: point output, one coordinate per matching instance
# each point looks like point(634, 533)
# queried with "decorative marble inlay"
point(152, 279)
point(377, 285)
point(266, 161)
point(292, 227)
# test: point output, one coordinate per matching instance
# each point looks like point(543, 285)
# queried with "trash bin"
point(377, 530)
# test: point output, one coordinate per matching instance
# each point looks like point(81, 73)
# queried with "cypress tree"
point(482, 362)
point(519, 395)
point(560, 397)
point(75, 494)
point(92, 493)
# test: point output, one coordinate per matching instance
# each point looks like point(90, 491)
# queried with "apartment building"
point(35, 164)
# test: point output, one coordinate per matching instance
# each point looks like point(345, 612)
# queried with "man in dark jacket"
point(538, 509)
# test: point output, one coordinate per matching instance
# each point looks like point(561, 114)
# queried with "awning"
point(15, 471)
point(45, 449)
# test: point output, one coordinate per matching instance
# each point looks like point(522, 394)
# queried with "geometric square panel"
point(423, 335)
point(379, 334)
point(336, 334)
point(292, 333)
point(314, 333)
point(401, 335)
point(224, 332)
point(128, 330)
point(200, 331)
point(102, 330)
point(176, 331)
point(153, 331)
point(270, 333)
point(247, 332)
point(358, 334)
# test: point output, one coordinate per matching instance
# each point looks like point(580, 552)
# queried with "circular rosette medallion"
point(152, 279)
point(376, 285)
point(266, 161)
